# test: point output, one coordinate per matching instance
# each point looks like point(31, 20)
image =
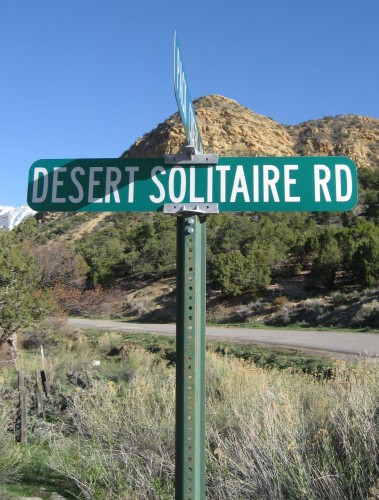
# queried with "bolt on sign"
point(245, 184)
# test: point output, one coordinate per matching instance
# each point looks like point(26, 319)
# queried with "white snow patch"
point(11, 217)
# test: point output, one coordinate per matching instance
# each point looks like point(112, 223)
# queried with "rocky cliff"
point(230, 129)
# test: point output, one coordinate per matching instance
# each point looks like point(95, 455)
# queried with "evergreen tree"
point(21, 302)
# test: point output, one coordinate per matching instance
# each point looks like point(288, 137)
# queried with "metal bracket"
point(191, 156)
point(190, 208)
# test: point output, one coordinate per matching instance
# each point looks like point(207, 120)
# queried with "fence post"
point(21, 389)
point(40, 410)
point(45, 385)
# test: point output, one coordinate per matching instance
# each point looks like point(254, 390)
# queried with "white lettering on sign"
point(38, 172)
point(288, 182)
point(222, 169)
point(349, 183)
point(182, 184)
point(243, 185)
point(154, 173)
point(93, 183)
point(256, 183)
point(269, 183)
point(322, 177)
point(210, 185)
point(56, 184)
point(75, 180)
point(131, 171)
point(193, 197)
point(111, 184)
point(240, 185)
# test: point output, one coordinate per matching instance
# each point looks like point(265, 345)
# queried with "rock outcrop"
point(230, 129)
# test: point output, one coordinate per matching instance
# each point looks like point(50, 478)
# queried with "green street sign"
point(183, 98)
point(247, 184)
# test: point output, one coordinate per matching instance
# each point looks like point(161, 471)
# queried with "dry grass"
point(10, 454)
point(270, 434)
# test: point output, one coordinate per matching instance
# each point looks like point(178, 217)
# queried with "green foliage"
point(235, 273)
point(352, 250)
point(103, 252)
point(245, 251)
point(144, 246)
point(21, 300)
point(155, 243)
point(369, 193)
point(328, 259)
point(365, 260)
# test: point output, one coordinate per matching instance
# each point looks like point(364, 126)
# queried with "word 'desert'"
point(236, 184)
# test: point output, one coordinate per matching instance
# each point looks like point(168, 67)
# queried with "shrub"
point(270, 434)
point(236, 273)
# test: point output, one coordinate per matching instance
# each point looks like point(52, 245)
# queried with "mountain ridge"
point(231, 129)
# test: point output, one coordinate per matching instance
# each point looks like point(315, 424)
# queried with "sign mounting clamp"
point(191, 156)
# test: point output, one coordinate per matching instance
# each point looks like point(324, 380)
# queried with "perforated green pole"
point(190, 363)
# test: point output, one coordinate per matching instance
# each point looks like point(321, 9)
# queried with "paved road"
point(335, 342)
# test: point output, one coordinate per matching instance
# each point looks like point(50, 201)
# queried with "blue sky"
point(86, 78)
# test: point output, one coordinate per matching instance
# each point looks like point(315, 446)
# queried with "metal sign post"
point(190, 358)
point(190, 338)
